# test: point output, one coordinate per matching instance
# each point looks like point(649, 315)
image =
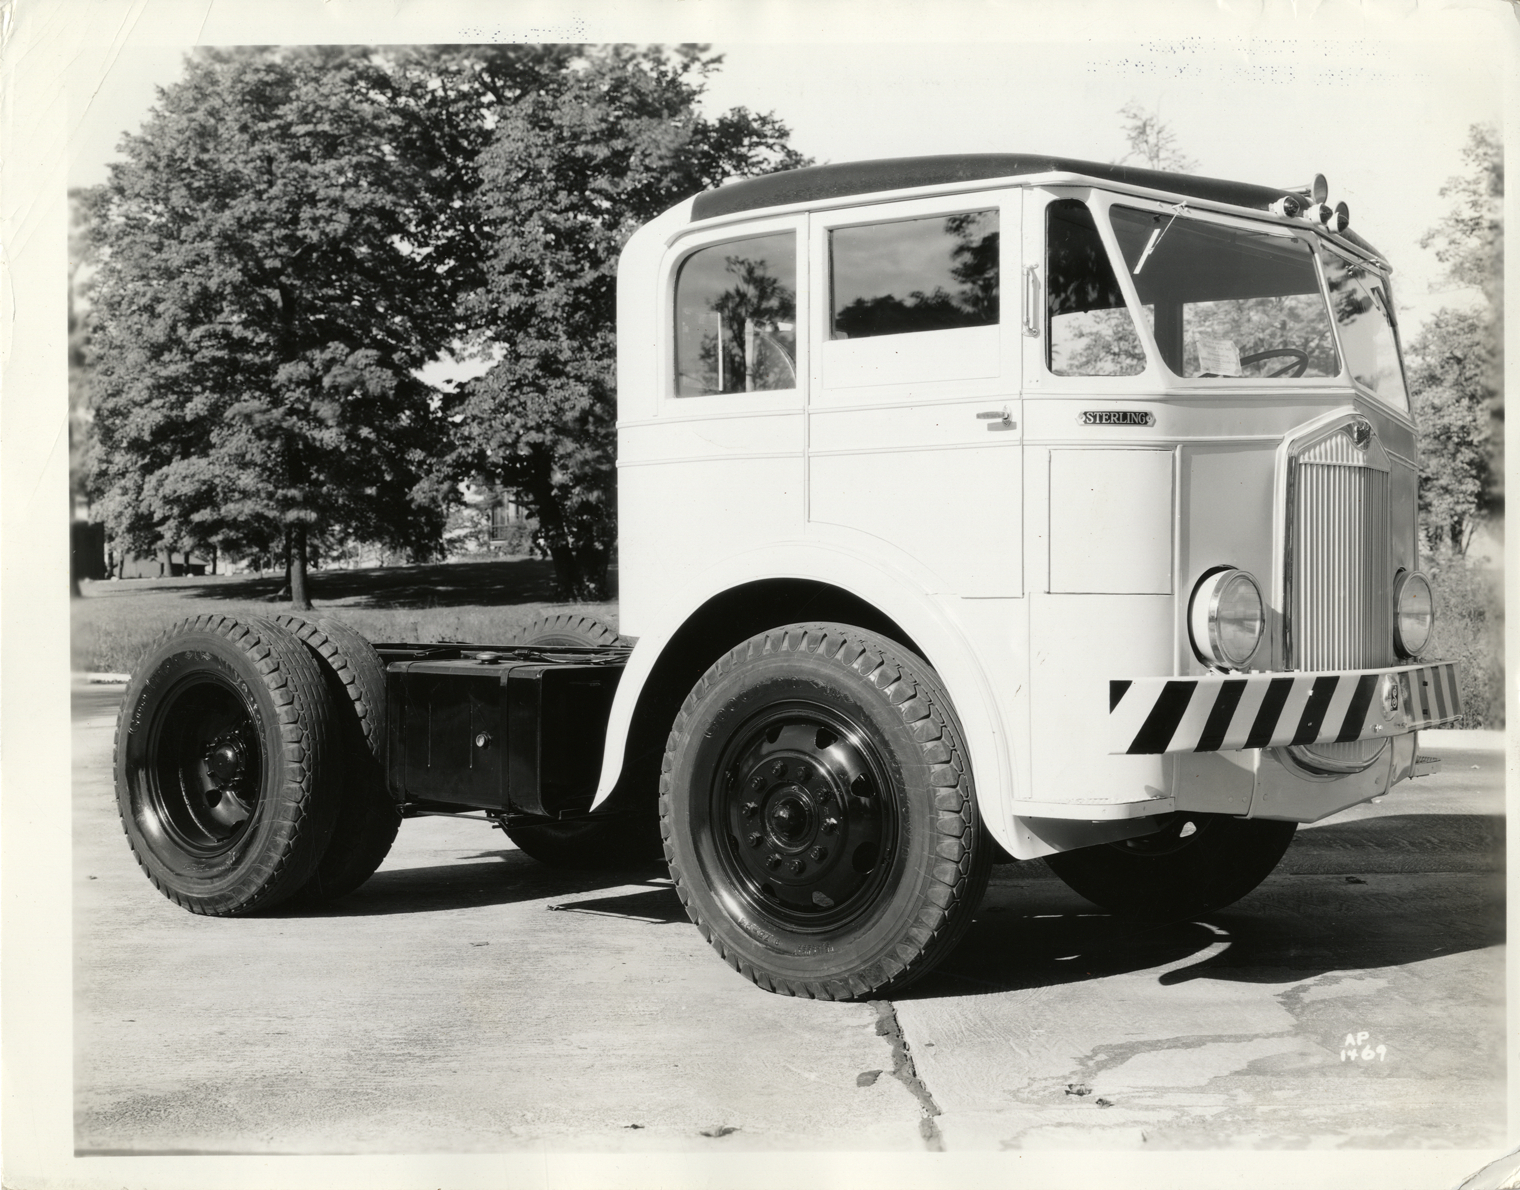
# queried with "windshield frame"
point(1102, 200)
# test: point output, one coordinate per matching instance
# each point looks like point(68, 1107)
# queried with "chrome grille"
point(1339, 604)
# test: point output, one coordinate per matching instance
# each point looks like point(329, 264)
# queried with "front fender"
point(901, 592)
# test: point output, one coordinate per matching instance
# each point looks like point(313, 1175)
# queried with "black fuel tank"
point(521, 736)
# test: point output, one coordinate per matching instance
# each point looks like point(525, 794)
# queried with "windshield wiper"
point(1150, 244)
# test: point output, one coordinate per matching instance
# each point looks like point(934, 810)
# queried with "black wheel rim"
point(205, 767)
point(804, 818)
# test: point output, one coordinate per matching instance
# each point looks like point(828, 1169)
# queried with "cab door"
point(913, 417)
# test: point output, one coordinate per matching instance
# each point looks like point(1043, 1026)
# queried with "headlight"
point(1414, 612)
point(1226, 618)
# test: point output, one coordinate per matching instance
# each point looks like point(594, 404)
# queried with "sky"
point(1382, 108)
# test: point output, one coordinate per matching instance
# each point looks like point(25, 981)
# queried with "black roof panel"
point(818, 182)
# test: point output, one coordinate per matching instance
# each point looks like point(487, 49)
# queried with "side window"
point(736, 317)
point(914, 275)
point(1091, 332)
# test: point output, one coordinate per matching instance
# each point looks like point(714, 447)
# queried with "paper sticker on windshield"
point(1218, 357)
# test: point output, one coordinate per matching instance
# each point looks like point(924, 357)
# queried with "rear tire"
point(1171, 874)
point(819, 816)
point(594, 841)
point(570, 630)
point(226, 759)
point(368, 817)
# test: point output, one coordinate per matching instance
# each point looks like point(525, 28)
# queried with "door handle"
point(1001, 419)
point(1032, 301)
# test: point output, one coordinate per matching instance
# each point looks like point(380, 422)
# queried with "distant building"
point(507, 517)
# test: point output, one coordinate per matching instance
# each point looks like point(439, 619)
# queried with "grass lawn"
point(480, 602)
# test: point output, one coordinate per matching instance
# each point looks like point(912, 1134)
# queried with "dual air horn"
point(1309, 202)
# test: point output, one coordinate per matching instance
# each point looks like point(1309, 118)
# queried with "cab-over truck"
point(970, 507)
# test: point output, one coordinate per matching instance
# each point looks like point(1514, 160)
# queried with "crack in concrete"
point(904, 1072)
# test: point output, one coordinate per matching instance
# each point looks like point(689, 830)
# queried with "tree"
point(1151, 139)
point(81, 436)
point(571, 171)
point(1456, 361)
point(1451, 365)
point(280, 252)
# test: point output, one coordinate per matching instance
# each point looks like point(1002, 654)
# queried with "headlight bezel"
point(1206, 630)
point(1402, 584)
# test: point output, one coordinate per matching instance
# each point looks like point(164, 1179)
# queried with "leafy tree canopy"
point(1469, 239)
point(571, 170)
point(281, 250)
point(1456, 361)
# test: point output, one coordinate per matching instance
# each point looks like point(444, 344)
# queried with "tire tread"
point(923, 707)
point(305, 731)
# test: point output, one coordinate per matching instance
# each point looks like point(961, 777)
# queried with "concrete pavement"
point(468, 999)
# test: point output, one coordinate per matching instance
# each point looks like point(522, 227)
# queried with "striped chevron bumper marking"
point(1229, 712)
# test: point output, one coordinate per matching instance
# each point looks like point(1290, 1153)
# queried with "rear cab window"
point(736, 317)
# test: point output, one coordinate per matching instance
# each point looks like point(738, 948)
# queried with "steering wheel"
point(1298, 367)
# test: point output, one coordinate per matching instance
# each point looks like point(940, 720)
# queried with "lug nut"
point(830, 825)
point(796, 867)
point(757, 782)
point(819, 853)
point(804, 774)
point(755, 838)
point(750, 809)
point(778, 770)
point(825, 796)
point(772, 862)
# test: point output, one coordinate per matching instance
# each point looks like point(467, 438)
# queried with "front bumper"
point(1229, 712)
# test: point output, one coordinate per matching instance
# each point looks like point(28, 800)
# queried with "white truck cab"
point(1126, 457)
point(971, 508)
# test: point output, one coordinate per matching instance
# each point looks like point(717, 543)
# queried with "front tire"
point(226, 761)
point(1195, 864)
point(818, 813)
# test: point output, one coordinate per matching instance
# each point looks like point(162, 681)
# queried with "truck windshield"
point(1364, 313)
point(1223, 300)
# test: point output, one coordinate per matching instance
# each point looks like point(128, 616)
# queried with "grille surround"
point(1338, 588)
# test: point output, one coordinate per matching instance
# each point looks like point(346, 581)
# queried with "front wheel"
point(818, 813)
point(1196, 863)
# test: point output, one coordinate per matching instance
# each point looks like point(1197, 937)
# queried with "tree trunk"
point(299, 599)
point(580, 570)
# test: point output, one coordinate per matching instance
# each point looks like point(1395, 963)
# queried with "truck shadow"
point(1370, 893)
point(507, 877)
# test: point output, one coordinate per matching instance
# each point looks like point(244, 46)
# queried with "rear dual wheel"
point(368, 817)
point(818, 814)
point(247, 764)
point(227, 753)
